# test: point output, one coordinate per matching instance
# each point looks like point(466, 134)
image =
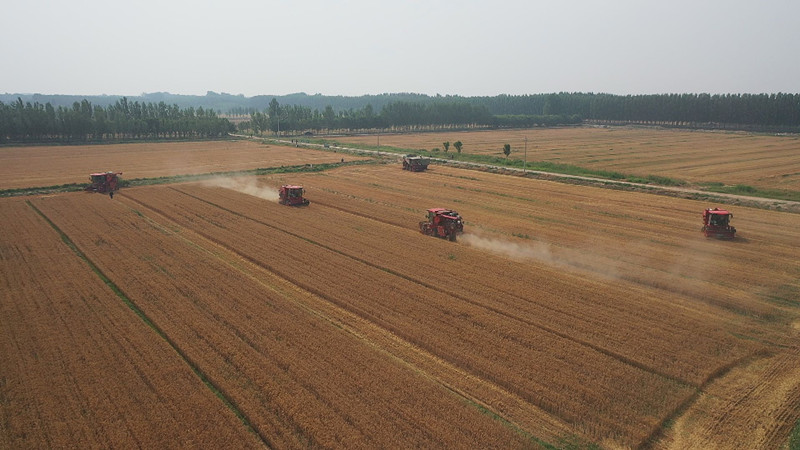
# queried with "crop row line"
point(216, 390)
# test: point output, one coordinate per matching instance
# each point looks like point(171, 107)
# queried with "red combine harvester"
point(716, 223)
point(292, 195)
point(104, 182)
point(442, 223)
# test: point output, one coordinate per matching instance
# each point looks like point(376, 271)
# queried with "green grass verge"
point(71, 187)
point(794, 438)
point(750, 191)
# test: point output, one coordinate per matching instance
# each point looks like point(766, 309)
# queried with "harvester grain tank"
point(292, 195)
point(415, 163)
point(716, 223)
point(442, 223)
point(104, 182)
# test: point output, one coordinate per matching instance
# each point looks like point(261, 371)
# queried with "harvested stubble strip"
point(79, 368)
point(571, 380)
point(299, 379)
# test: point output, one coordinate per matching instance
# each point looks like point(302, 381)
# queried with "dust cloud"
point(573, 259)
point(513, 250)
point(247, 186)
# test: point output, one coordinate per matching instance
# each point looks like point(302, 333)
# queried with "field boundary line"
point(216, 390)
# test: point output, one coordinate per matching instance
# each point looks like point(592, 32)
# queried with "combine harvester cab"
point(104, 182)
point(442, 223)
point(415, 163)
point(716, 224)
point(292, 196)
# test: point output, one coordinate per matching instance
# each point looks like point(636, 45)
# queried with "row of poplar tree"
point(122, 120)
point(296, 118)
point(36, 122)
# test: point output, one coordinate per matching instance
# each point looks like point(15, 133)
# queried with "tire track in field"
point(619, 357)
point(216, 390)
point(515, 411)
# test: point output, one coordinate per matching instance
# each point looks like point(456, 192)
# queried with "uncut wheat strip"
point(349, 295)
point(81, 368)
point(483, 424)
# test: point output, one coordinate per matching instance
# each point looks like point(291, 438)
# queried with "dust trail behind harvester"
point(245, 185)
point(513, 250)
point(543, 252)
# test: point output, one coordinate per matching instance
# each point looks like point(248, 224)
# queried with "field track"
point(565, 314)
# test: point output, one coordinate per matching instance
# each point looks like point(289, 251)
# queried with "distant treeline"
point(27, 118)
point(122, 120)
point(767, 110)
point(764, 110)
point(400, 114)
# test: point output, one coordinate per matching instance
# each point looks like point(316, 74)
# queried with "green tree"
point(507, 150)
point(275, 115)
point(446, 146)
point(458, 145)
point(328, 116)
point(259, 122)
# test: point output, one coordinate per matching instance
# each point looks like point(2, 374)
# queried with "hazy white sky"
point(355, 47)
